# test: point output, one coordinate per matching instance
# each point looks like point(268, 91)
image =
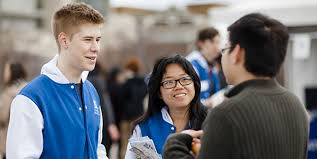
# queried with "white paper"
point(143, 148)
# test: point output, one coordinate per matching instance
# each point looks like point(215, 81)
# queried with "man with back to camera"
point(57, 115)
point(260, 119)
point(207, 43)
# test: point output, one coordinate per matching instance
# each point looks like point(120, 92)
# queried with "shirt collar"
point(51, 70)
point(264, 84)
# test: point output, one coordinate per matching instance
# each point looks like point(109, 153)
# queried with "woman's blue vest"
point(157, 129)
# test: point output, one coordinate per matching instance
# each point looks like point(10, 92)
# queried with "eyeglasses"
point(169, 84)
point(223, 51)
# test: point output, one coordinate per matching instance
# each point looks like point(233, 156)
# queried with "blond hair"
point(69, 18)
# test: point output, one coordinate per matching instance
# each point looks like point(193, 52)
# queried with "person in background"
point(134, 91)
point(218, 72)
point(207, 43)
point(115, 81)
point(260, 119)
point(14, 77)
point(174, 103)
point(58, 115)
point(110, 130)
point(218, 96)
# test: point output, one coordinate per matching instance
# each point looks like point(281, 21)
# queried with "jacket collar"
point(51, 70)
point(166, 116)
point(196, 55)
point(265, 85)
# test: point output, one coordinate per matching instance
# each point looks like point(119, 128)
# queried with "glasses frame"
point(223, 51)
point(179, 81)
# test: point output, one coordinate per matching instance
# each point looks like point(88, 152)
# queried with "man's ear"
point(63, 40)
point(237, 54)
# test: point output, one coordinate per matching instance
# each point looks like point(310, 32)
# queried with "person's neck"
point(180, 118)
point(248, 76)
point(204, 56)
point(71, 74)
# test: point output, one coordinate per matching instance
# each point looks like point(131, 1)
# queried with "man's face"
point(226, 64)
point(84, 47)
point(230, 63)
point(210, 48)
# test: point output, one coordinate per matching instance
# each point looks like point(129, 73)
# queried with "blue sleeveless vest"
point(157, 129)
point(215, 82)
point(70, 129)
point(204, 77)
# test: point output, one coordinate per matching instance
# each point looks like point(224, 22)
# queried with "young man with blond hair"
point(57, 115)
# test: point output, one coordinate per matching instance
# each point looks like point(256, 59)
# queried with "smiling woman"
point(174, 103)
point(178, 97)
